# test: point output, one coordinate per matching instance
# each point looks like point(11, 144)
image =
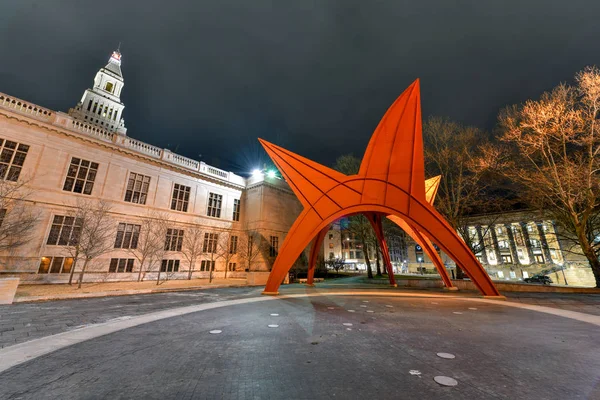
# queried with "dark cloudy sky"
point(210, 76)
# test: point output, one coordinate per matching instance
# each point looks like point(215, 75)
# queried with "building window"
point(331, 255)
point(127, 236)
point(534, 243)
point(2, 215)
point(352, 254)
point(12, 158)
point(169, 266)
point(121, 265)
point(109, 87)
point(233, 243)
point(207, 265)
point(500, 274)
point(539, 258)
point(503, 244)
point(507, 259)
point(81, 176)
point(65, 231)
point(210, 242)
point(331, 245)
point(55, 265)
point(137, 188)
point(174, 240)
point(181, 197)
point(232, 266)
point(274, 248)
point(359, 254)
point(331, 236)
point(236, 210)
point(499, 230)
point(214, 205)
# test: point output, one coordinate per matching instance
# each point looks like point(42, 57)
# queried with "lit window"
point(109, 87)
point(55, 265)
point(81, 176)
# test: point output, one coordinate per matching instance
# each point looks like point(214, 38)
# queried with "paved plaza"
point(321, 343)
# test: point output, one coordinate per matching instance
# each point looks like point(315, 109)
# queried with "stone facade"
point(67, 159)
point(516, 245)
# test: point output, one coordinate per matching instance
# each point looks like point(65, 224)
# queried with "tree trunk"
point(226, 268)
point(73, 269)
point(377, 258)
point(591, 256)
point(191, 269)
point(82, 272)
point(369, 270)
point(141, 270)
point(158, 277)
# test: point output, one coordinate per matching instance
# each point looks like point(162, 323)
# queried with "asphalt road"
point(312, 353)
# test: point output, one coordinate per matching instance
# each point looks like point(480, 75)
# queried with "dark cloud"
point(209, 77)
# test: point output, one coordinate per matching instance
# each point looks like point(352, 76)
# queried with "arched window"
point(109, 87)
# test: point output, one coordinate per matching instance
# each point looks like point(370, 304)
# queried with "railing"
point(184, 161)
point(207, 169)
point(142, 147)
point(93, 130)
point(24, 107)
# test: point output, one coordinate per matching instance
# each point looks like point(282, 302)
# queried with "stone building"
point(63, 158)
point(511, 246)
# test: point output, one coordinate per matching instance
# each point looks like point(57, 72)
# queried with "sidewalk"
point(26, 293)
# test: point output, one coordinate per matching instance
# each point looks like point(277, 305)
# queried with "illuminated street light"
point(257, 173)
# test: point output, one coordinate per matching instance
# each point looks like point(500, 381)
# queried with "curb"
point(114, 293)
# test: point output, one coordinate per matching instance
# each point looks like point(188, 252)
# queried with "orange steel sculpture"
point(431, 188)
point(390, 182)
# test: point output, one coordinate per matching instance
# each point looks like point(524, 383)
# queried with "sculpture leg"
point(433, 255)
point(376, 223)
point(314, 254)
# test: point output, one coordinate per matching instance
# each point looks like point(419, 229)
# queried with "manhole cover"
point(445, 381)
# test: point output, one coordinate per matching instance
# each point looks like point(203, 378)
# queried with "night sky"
point(209, 77)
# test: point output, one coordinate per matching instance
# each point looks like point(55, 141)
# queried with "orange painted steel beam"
point(431, 188)
point(314, 254)
point(391, 181)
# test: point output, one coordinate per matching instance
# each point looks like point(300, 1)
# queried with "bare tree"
point(92, 235)
point(227, 248)
point(358, 226)
point(552, 150)
point(210, 247)
point(193, 241)
point(251, 246)
point(335, 263)
point(17, 218)
point(151, 241)
point(453, 151)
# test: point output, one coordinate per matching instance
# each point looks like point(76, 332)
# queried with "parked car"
point(543, 279)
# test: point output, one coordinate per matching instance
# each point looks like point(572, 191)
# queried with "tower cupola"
point(101, 106)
